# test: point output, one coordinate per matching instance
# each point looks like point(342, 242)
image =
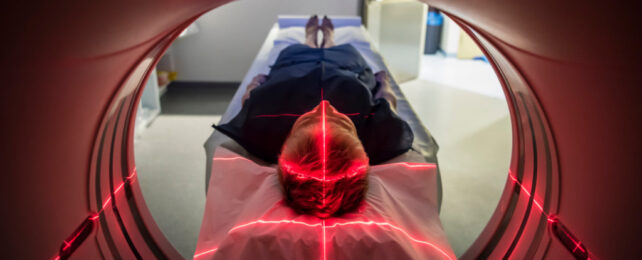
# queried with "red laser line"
point(95, 216)
point(352, 114)
point(231, 158)
point(68, 244)
point(528, 193)
point(209, 251)
point(283, 221)
point(324, 226)
point(541, 209)
point(404, 232)
point(577, 243)
point(129, 179)
point(323, 152)
point(119, 187)
point(105, 204)
point(415, 165)
point(324, 240)
point(356, 169)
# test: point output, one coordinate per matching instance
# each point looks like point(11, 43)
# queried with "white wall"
point(231, 35)
point(450, 34)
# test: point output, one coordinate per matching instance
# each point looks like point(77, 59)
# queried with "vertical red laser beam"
point(323, 165)
point(324, 257)
point(323, 147)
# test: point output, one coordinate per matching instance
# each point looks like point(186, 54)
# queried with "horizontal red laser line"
point(260, 221)
point(209, 251)
point(231, 158)
point(324, 240)
point(415, 165)
point(352, 171)
point(367, 223)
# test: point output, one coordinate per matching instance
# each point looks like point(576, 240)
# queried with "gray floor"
point(170, 159)
point(462, 104)
point(459, 101)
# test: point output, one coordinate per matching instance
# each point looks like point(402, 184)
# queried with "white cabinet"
point(398, 29)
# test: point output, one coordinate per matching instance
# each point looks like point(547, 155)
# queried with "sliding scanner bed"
point(289, 30)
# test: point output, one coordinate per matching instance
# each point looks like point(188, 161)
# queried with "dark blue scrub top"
point(294, 86)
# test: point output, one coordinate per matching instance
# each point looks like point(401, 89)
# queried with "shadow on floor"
point(197, 98)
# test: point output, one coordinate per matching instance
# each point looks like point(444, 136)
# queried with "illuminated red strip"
point(96, 216)
point(353, 171)
point(68, 243)
point(231, 158)
point(323, 151)
point(105, 204)
point(119, 187)
point(284, 221)
point(128, 180)
point(404, 232)
point(538, 205)
point(324, 252)
point(415, 165)
point(577, 243)
point(209, 251)
point(549, 218)
point(324, 226)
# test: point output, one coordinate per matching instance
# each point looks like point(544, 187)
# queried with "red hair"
point(323, 182)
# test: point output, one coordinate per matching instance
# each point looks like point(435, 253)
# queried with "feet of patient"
point(328, 32)
point(311, 29)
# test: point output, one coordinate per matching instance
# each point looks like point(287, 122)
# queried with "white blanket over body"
point(245, 217)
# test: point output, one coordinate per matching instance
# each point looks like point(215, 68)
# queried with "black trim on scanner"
point(533, 183)
point(99, 203)
point(510, 210)
point(134, 210)
point(119, 218)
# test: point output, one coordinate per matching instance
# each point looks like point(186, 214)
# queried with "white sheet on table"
point(241, 192)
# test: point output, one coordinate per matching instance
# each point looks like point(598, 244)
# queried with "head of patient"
point(323, 165)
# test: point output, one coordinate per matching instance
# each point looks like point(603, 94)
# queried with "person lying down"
point(321, 113)
point(326, 120)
